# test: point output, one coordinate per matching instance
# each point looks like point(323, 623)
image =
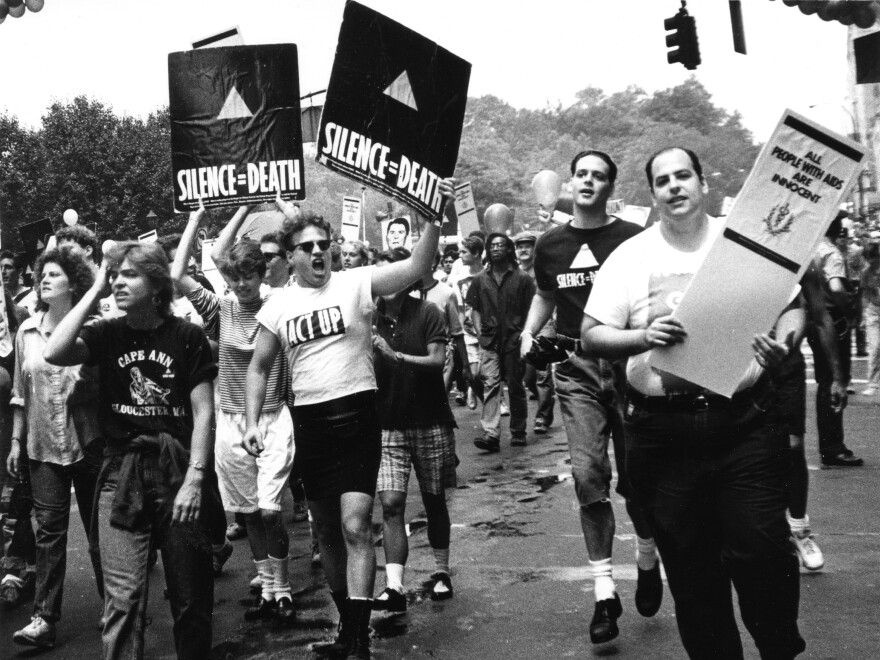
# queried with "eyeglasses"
point(309, 246)
point(268, 256)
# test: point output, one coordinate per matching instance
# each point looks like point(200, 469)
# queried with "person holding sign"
point(590, 390)
point(708, 472)
point(249, 485)
point(324, 324)
point(157, 398)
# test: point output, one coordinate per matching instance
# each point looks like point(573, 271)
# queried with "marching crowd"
point(164, 405)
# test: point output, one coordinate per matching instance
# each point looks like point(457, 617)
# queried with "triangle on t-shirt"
point(235, 107)
point(401, 90)
point(584, 258)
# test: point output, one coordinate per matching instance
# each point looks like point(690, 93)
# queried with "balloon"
point(16, 12)
point(107, 246)
point(70, 217)
point(14, 3)
point(546, 186)
point(4, 11)
point(34, 5)
point(498, 218)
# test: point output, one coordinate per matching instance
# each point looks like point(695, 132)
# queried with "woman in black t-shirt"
point(157, 412)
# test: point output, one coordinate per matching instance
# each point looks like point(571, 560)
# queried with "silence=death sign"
point(394, 109)
point(236, 136)
point(781, 214)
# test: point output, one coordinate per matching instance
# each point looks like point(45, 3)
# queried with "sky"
point(529, 54)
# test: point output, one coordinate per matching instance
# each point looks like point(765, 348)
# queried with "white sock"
point(280, 583)
point(646, 555)
point(441, 559)
point(394, 577)
point(264, 570)
point(603, 585)
point(799, 526)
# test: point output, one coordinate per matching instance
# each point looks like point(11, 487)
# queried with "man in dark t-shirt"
point(590, 390)
point(417, 431)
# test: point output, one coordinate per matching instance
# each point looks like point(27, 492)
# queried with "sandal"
point(440, 578)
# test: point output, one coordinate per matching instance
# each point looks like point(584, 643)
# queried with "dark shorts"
point(791, 386)
point(338, 446)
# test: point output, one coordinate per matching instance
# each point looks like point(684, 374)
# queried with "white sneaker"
point(868, 391)
point(38, 632)
point(810, 555)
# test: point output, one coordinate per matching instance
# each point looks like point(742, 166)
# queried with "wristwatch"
point(195, 465)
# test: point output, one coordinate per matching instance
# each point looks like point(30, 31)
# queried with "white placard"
point(466, 209)
point(149, 237)
point(209, 268)
point(782, 212)
point(351, 218)
point(230, 37)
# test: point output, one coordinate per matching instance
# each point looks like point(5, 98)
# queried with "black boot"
point(360, 618)
point(344, 631)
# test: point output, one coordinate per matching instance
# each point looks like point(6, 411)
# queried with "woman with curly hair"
point(55, 410)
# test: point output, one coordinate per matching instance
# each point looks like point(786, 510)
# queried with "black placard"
point(236, 136)
point(394, 110)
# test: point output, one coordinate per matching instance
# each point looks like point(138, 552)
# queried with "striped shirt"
point(234, 326)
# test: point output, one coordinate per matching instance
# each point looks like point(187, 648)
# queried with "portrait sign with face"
point(747, 278)
point(394, 111)
point(397, 232)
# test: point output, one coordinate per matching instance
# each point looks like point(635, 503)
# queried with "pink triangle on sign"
point(235, 107)
point(401, 90)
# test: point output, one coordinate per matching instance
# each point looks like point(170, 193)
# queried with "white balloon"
point(108, 245)
point(70, 217)
point(546, 186)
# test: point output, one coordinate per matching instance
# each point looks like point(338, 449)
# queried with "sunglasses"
point(309, 246)
point(268, 256)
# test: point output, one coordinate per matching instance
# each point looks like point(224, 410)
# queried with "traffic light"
point(683, 39)
point(848, 12)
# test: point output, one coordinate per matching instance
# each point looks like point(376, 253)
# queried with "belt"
point(688, 402)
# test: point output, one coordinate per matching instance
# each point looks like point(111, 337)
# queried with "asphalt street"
point(522, 585)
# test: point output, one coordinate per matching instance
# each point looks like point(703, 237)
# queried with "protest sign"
point(230, 37)
point(747, 278)
point(236, 136)
point(466, 209)
point(209, 268)
point(351, 218)
point(35, 238)
point(394, 109)
point(397, 232)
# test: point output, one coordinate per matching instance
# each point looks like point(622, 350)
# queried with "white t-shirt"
point(643, 279)
point(326, 334)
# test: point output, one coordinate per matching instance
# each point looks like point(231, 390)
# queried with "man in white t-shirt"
point(324, 324)
point(709, 472)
